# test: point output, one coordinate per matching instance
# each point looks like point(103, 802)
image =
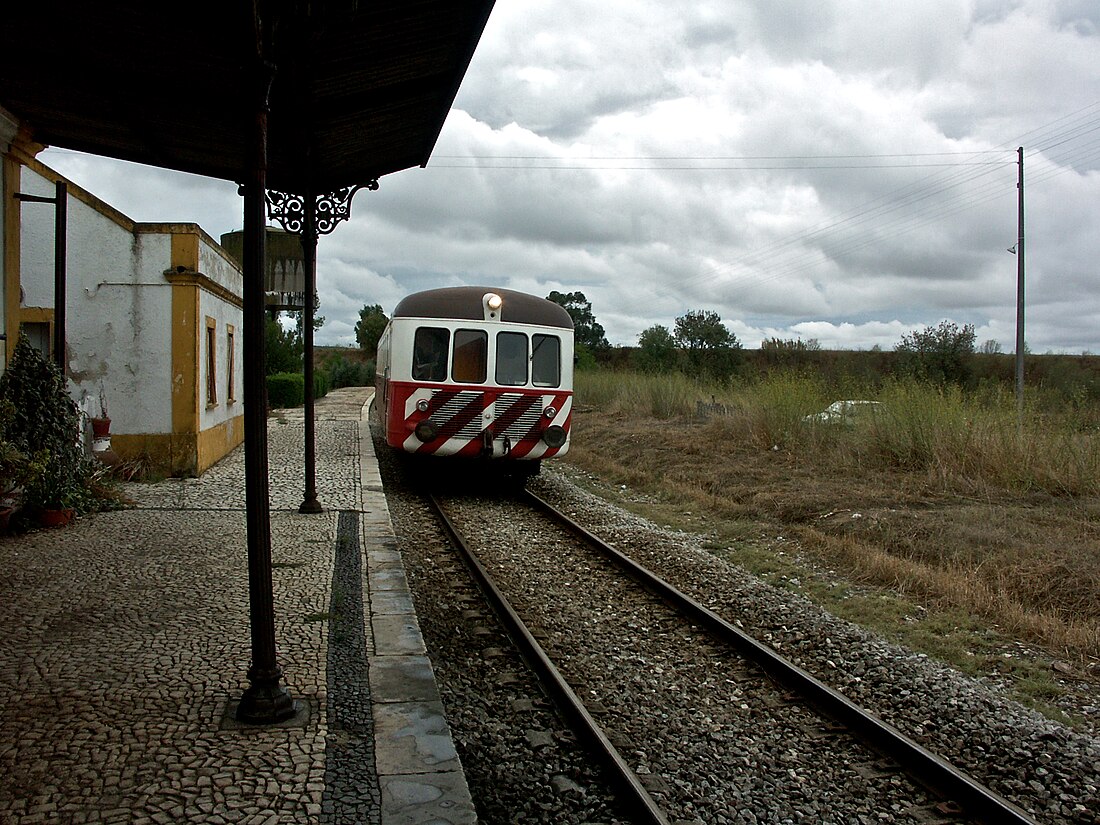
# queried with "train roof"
point(465, 303)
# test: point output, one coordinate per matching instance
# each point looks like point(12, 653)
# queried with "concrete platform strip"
point(418, 768)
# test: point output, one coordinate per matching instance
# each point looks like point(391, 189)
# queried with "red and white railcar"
point(477, 372)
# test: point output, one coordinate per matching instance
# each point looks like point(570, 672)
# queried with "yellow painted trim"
point(185, 358)
point(24, 147)
point(11, 254)
point(203, 282)
point(181, 454)
point(185, 251)
point(36, 315)
point(218, 441)
point(170, 454)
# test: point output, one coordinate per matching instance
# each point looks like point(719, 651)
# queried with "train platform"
point(124, 644)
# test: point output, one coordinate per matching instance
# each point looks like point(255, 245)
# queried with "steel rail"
point(639, 804)
point(930, 770)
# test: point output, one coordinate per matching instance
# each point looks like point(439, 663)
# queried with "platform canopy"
point(361, 87)
point(313, 98)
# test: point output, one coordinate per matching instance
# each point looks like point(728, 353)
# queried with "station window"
point(470, 357)
point(430, 354)
point(511, 359)
point(230, 359)
point(40, 336)
point(546, 361)
point(211, 362)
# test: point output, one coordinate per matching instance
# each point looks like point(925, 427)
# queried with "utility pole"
point(1020, 292)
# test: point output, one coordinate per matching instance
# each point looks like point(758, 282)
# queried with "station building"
point(153, 315)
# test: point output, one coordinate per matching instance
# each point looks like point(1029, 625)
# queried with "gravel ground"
point(523, 766)
point(521, 762)
point(1044, 767)
point(712, 738)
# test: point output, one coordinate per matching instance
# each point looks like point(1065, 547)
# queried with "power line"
point(701, 167)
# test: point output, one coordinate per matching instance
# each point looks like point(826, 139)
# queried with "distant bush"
point(320, 383)
point(282, 349)
point(286, 389)
point(343, 372)
point(942, 354)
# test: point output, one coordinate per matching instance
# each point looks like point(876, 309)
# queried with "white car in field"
point(844, 412)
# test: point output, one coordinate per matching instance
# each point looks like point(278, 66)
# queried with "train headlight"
point(554, 436)
point(491, 304)
point(426, 431)
point(550, 412)
point(422, 405)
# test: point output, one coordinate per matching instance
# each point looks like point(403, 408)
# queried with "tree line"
point(699, 344)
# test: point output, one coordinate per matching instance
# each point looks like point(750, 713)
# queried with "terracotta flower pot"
point(56, 518)
point(101, 427)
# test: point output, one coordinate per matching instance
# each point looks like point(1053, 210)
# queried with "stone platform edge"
point(419, 773)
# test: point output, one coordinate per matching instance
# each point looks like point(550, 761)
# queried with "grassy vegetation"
point(971, 529)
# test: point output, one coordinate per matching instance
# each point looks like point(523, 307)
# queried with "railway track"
point(933, 790)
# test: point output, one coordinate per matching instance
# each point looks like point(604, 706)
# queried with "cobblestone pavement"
point(125, 636)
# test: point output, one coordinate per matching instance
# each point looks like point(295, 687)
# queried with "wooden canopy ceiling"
point(361, 87)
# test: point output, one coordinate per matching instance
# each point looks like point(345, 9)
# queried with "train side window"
point(470, 356)
point(546, 361)
point(511, 359)
point(430, 346)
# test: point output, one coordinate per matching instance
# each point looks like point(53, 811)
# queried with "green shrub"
point(282, 348)
point(320, 383)
point(343, 372)
point(286, 389)
point(44, 422)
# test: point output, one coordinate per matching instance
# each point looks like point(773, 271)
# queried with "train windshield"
point(511, 359)
point(430, 347)
point(546, 361)
point(470, 357)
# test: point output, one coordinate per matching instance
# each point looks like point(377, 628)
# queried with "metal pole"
point(61, 228)
point(1020, 293)
point(265, 701)
point(60, 200)
point(308, 236)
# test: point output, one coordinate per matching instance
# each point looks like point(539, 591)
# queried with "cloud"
point(843, 171)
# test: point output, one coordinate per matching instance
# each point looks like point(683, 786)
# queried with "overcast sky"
point(843, 170)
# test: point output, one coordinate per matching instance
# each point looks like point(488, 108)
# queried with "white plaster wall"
point(118, 308)
point(216, 265)
point(224, 314)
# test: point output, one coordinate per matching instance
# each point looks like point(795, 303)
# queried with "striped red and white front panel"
point(515, 421)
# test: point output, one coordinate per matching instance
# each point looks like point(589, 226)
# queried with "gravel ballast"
point(523, 766)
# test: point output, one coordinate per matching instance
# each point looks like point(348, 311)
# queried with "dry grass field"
point(933, 518)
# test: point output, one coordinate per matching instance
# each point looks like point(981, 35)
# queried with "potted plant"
point(58, 491)
point(101, 424)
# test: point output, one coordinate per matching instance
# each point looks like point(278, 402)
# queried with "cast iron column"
point(309, 504)
point(265, 701)
point(310, 216)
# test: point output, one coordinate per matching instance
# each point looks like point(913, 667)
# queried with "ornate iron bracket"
point(329, 209)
